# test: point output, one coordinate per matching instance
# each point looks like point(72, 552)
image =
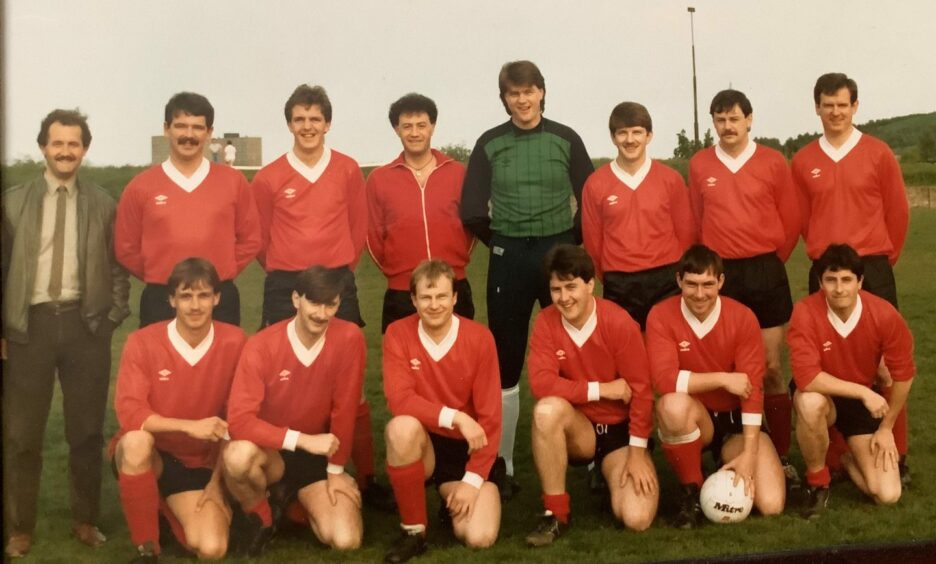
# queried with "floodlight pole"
point(695, 92)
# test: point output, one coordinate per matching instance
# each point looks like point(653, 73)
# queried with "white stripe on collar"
point(580, 336)
point(844, 328)
point(438, 350)
point(189, 184)
point(701, 328)
point(190, 354)
point(837, 154)
point(310, 173)
point(305, 356)
point(631, 181)
point(734, 164)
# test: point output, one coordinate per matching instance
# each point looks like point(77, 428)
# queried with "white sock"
point(510, 404)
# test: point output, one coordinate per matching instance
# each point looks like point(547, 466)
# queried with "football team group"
point(225, 439)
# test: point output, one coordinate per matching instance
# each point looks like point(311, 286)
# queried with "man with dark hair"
point(747, 211)
point(518, 199)
point(852, 191)
point(589, 375)
point(443, 390)
point(413, 208)
point(636, 219)
point(63, 295)
point(313, 211)
point(172, 389)
point(291, 414)
point(707, 362)
point(838, 337)
point(186, 206)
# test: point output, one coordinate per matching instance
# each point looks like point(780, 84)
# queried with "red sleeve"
point(128, 234)
point(357, 212)
point(349, 380)
point(263, 199)
point(695, 199)
point(400, 383)
point(788, 206)
point(486, 396)
point(376, 230)
point(247, 393)
point(662, 353)
point(247, 226)
point(750, 359)
point(896, 210)
point(685, 222)
point(898, 348)
point(805, 361)
point(543, 368)
point(632, 365)
point(131, 400)
point(592, 228)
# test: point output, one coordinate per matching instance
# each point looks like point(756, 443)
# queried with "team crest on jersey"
point(816, 172)
point(827, 346)
point(560, 354)
point(161, 199)
point(284, 375)
point(164, 375)
point(612, 199)
point(683, 346)
point(290, 192)
point(414, 363)
point(710, 181)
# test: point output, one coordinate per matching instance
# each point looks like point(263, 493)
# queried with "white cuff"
point(682, 381)
point(334, 469)
point(290, 440)
point(751, 419)
point(473, 479)
point(447, 417)
point(594, 391)
point(638, 442)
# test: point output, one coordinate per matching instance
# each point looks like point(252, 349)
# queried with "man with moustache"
point(184, 207)
point(63, 295)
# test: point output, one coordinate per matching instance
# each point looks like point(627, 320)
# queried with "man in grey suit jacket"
point(64, 293)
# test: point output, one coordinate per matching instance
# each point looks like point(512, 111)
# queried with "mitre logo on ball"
point(722, 501)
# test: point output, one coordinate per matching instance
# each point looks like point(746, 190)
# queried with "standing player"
point(837, 339)
point(413, 207)
point(186, 206)
point(589, 374)
point(521, 181)
point(852, 192)
point(707, 362)
point(291, 412)
point(442, 386)
point(313, 211)
point(636, 219)
point(172, 389)
point(747, 210)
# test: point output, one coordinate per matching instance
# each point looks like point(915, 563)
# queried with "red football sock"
point(900, 425)
point(559, 504)
point(139, 497)
point(362, 449)
point(262, 509)
point(686, 460)
point(837, 447)
point(178, 531)
point(297, 513)
point(778, 408)
point(410, 492)
point(820, 478)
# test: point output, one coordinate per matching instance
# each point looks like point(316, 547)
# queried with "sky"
point(119, 61)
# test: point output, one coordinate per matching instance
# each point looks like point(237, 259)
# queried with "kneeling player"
point(707, 360)
point(443, 388)
point(837, 339)
point(292, 411)
point(588, 371)
point(172, 386)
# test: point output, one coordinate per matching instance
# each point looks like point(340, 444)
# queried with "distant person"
point(523, 181)
point(186, 207)
point(230, 153)
point(313, 211)
point(838, 338)
point(413, 205)
point(172, 391)
point(63, 295)
point(747, 210)
point(443, 390)
point(594, 400)
point(215, 149)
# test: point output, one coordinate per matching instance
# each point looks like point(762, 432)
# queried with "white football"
point(723, 502)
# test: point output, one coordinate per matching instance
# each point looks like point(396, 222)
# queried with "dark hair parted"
point(520, 73)
point(832, 82)
point(192, 272)
point(727, 99)
point(64, 117)
point(306, 96)
point(413, 103)
point(839, 256)
point(568, 262)
point(699, 259)
point(320, 285)
point(191, 104)
point(630, 114)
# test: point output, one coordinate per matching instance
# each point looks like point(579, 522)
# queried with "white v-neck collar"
point(305, 356)
point(837, 154)
point(310, 173)
point(580, 336)
point(734, 164)
point(438, 350)
point(632, 181)
point(844, 328)
point(190, 354)
point(701, 328)
point(189, 184)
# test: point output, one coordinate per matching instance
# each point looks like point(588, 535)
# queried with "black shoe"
point(280, 497)
point(905, 479)
point(146, 554)
point(510, 488)
point(815, 502)
point(445, 518)
point(548, 530)
point(409, 545)
point(498, 473)
point(596, 481)
point(256, 537)
point(377, 496)
point(690, 514)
